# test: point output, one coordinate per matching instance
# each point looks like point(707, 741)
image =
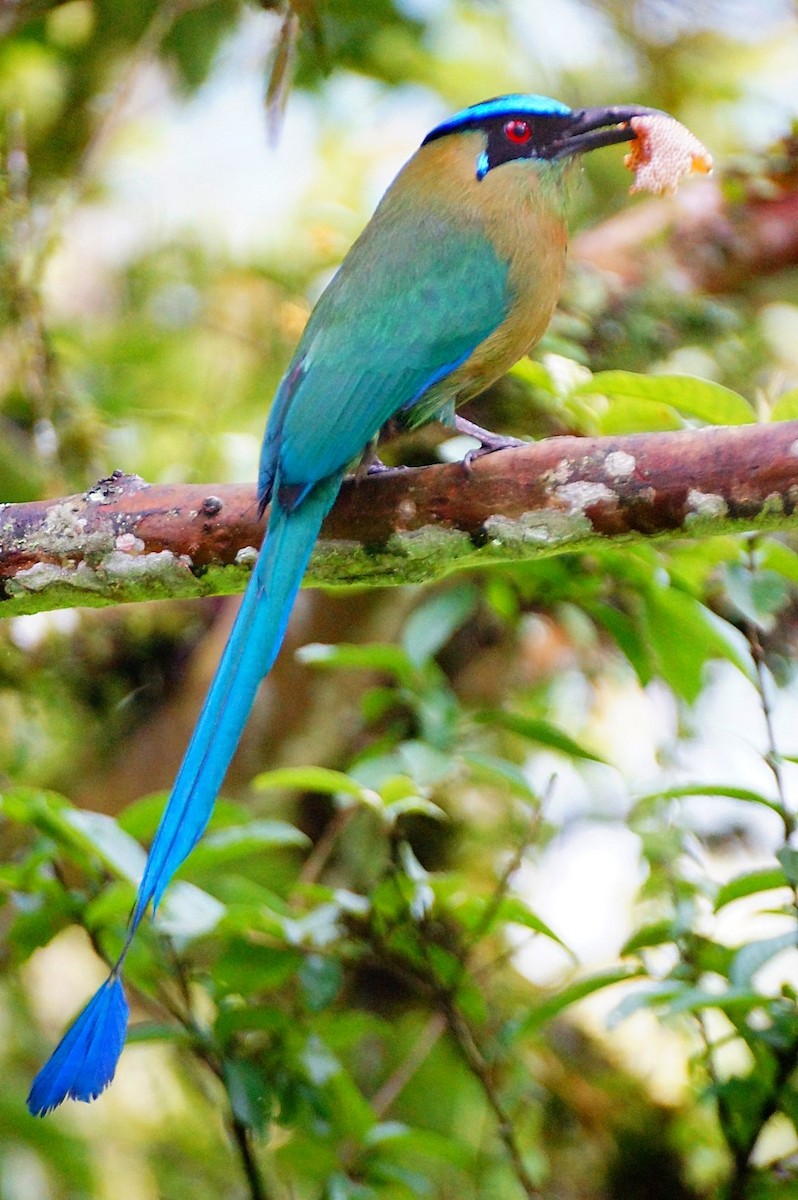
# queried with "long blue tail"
point(83, 1063)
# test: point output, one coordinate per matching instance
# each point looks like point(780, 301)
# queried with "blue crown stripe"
point(502, 106)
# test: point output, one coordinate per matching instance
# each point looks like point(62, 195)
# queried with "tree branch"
point(716, 244)
point(125, 540)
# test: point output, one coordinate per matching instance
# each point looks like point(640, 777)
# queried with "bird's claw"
point(378, 467)
point(489, 442)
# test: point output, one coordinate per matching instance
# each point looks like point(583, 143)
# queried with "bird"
point(454, 278)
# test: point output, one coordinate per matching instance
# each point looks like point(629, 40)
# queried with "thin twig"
point(320, 854)
point(161, 23)
point(511, 869)
point(772, 755)
point(742, 1150)
point(243, 1140)
point(426, 1041)
point(242, 1134)
point(472, 1055)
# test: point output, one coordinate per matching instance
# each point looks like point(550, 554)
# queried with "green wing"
point(410, 302)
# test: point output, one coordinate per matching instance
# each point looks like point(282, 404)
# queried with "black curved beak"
point(591, 128)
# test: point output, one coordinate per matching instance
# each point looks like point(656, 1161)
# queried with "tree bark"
point(126, 540)
point(713, 244)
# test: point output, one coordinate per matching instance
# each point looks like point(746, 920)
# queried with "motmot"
point(454, 278)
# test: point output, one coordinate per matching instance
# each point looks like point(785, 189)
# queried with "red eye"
point(518, 132)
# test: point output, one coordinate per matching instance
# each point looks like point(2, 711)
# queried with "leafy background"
point(527, 924)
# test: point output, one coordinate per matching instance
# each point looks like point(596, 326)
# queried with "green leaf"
point(422, 897)
point(248, 1092)
point(786, 407)
point(397, 1138)
point(498, 771)
point(541, 732)
point(396, 788)
point(141, 818)
point(405, 1182)
point(34, 806)
point(629, 637)
point(789, 1104)
point(744, 1100)
point(110, 907)
point(633, 414)
point(157, 1031)
point(237, 1018)
point(648, 996)
point(538, 375)
point(424, 764)
point(775, 556)
point(385, 776)
point(349, 1110)
point(684, 636)
point(321, 980)
point(252, 907)
point(706, 955)
point(432, 624)
point(376, 656)
point(515, 911)
point(751, 957)
point(758, 595)
point(378, 701)
point(116, 849)
point(697, 999)
point(658, 933)
point(311, 779)
point(39, 922)
point(688, 394)
point(90, 835)
point(251, 969)
point(188, 912)
point(684, 791)
point(341, 1187)
point(319, 927)
point(788, 857)
point(545, 1010)
point(446, 969)
point(237, 841)
point(416, 805)
point(749, 884)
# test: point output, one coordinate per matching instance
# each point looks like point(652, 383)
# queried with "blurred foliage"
point(335, 1003)
point(309, 995)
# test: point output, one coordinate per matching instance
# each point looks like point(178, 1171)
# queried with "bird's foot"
point(489, 442)
point(375, 466)
point(378, 467)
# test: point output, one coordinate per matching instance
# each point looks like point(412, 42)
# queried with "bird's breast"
point(522, 215)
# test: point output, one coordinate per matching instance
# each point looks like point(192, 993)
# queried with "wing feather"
point(379, 338)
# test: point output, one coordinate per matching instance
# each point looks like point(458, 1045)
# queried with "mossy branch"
point(125, 540)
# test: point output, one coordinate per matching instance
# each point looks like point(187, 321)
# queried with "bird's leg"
point(488, 442)
point(371, 464)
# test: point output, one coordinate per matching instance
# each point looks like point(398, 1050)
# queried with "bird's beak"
point(591, 128)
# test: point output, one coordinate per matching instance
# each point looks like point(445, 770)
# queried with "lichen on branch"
point(125, 540)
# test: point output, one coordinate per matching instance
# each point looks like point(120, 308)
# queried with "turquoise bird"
point(454, 279)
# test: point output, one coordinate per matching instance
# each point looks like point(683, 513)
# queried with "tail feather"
point(84, 1062)
point(251, 649)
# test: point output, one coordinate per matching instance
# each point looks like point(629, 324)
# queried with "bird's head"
point(537, 128)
